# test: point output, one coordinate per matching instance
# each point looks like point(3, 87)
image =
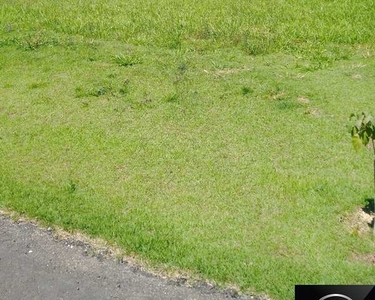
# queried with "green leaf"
point(354, 130)
point(358, 123)
point(356, 142)
point(365, 138)
point(368, 119)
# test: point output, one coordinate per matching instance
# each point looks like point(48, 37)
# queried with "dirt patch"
point(368, 259)
point(303, 100)
point(361, 221)
point(313, 112)
point(359, 65)
point(223, 72)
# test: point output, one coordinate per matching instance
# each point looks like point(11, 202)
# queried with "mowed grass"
point(201, 136)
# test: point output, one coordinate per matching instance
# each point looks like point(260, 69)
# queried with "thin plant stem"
point(373, 220)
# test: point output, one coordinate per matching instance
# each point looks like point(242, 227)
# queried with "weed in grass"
point(146, 102)
point(127, 60)
point(110, 86)
point(94, 91)
point(72, 186)
point(286, 105)
point(80, 92)
point(125, 88)
point(276, 93)
point(36, 85)
point(35, 40)
point(246, 90)
point(171, 98)
point(99, 91)
point(32, 42)
point(258, 43)
point(318, 58)
point(182, 68)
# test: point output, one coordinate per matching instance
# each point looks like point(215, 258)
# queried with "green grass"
point(177, 131)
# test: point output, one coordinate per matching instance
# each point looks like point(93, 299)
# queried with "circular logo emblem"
point(335, 297)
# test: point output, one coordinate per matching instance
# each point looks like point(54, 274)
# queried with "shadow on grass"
point(369, 209)
point(369, 206)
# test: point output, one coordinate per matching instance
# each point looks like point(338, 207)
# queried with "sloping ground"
point(196, 154)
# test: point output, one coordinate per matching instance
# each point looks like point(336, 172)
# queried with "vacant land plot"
point(206, 136)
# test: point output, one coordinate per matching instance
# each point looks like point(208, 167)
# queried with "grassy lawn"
point(206, 136)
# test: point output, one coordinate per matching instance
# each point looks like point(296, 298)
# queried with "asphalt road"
point(35, 266)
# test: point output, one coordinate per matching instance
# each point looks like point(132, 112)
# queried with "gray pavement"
point(35, 266)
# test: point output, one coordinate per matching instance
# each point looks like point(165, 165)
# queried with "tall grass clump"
point(257, 26)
